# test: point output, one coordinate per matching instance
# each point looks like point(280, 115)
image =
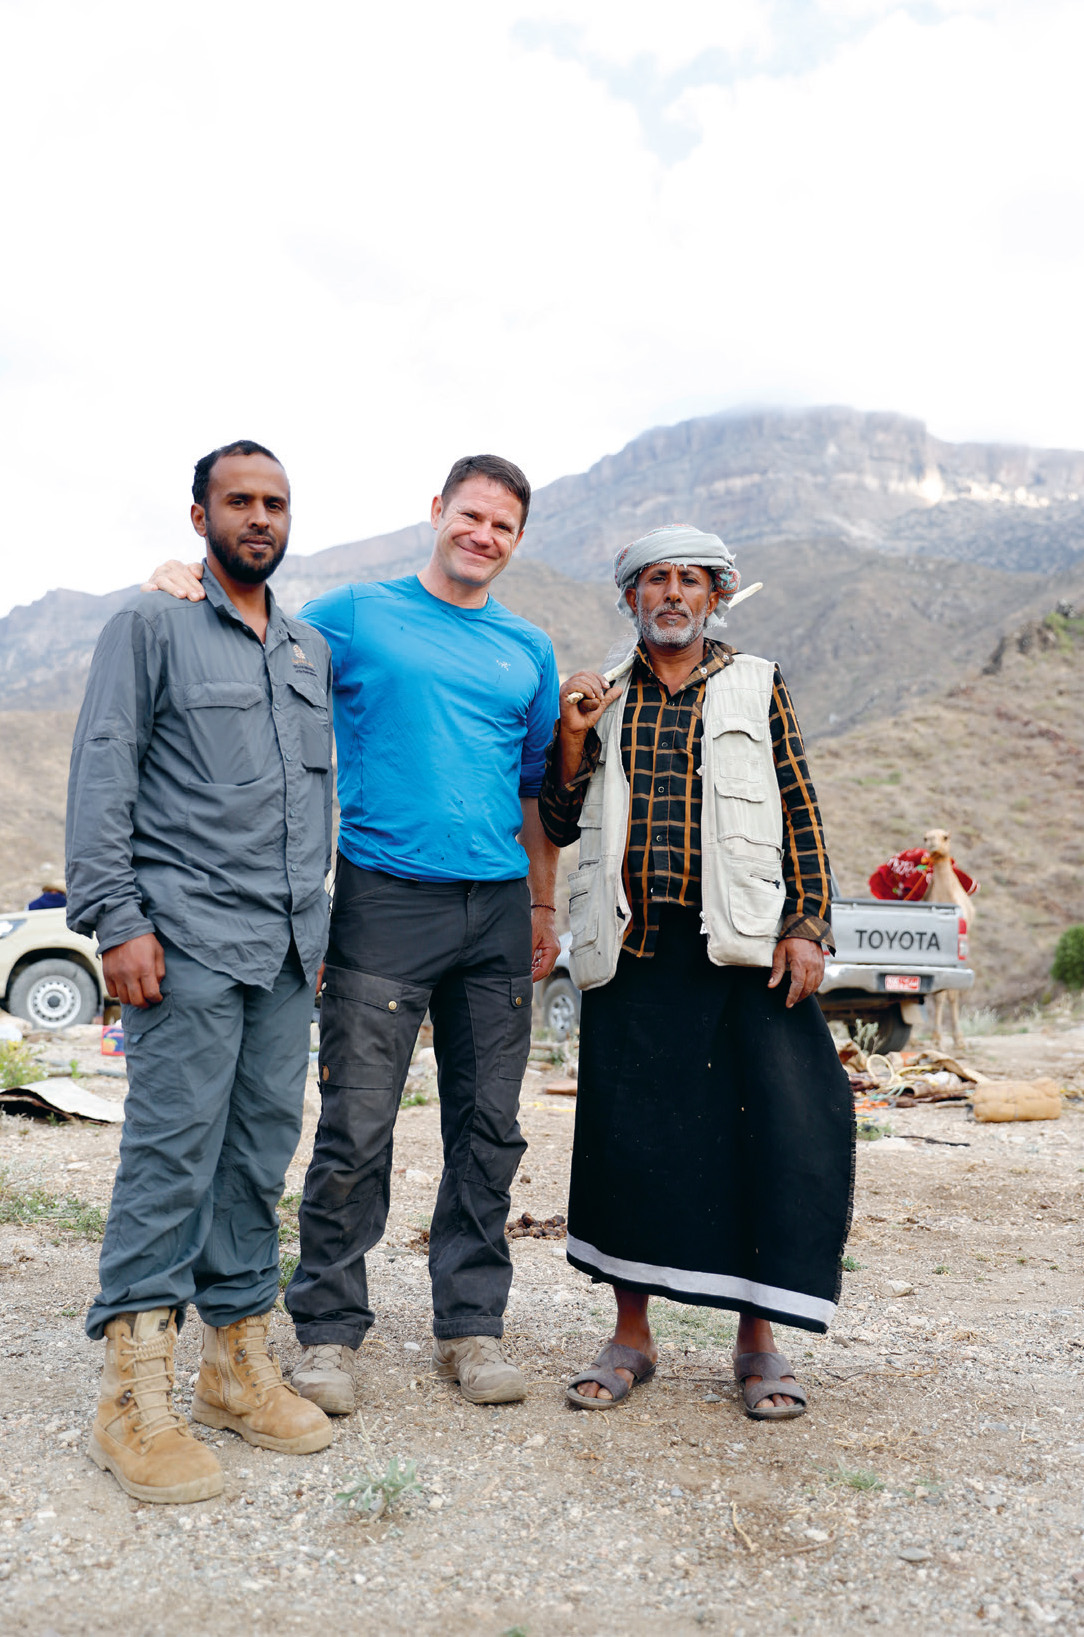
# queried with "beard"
point(667, 636)
point(237, 566)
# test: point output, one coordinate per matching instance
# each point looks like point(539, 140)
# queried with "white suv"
point(49, 975)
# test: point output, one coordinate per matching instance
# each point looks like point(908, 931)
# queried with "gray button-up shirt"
point(199, 799)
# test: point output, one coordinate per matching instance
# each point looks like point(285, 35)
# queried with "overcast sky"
point(376, 237)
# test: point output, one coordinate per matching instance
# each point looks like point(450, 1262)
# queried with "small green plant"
point(414, 1099)
point(942, 1267)
point(515, 1631)
point(850, 1264)
point(865, 1034)
point(373, 1493)
point(869, 1130)
point(18, 1065)
point(30, 1206)
point(856, 1478)
point(1068, 965)
point(287, 1264)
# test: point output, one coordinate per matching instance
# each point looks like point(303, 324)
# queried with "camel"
point(944, 888)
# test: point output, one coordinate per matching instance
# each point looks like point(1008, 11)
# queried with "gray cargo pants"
point(216, 1086)
point(462, 949)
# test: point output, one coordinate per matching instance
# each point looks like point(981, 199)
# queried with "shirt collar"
point(219, 600)
point(717, 656)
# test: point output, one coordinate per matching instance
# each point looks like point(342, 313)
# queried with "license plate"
point(903, 983)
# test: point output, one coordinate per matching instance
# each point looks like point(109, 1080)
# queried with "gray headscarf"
point(681, 544)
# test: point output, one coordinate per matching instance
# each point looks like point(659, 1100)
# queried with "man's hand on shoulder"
point(179, 579)
point(805, 959)
point(134, 971)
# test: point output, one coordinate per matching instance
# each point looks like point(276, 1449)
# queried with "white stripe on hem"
point(706, 1284)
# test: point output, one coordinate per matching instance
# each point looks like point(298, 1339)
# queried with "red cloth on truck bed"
point(906, 876)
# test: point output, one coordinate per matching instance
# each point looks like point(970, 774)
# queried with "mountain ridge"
point(907, 549)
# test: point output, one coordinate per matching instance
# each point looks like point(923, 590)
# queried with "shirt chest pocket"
point(741, 766)
point(308, 709)
point(227, 730)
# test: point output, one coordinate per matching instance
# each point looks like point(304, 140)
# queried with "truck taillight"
point(961, 938)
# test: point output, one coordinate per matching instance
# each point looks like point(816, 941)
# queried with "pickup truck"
point(889, 957)
point(48, 975)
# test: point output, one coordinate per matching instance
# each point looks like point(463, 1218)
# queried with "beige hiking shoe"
point(483, 1375)
point(137, 1435)
point(324, 1377)
point(240, 1387)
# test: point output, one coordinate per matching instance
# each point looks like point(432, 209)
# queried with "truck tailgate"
point(880, 932)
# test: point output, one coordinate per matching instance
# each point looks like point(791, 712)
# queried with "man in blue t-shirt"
point(444, 895)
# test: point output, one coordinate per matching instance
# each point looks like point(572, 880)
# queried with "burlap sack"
point(1017, 1100)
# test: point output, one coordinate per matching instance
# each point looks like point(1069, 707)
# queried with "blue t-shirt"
point(442, 718)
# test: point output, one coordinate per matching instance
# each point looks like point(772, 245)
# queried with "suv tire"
point(54, 994)
point(560, 1007)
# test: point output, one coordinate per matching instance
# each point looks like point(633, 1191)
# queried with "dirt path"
point(934, 1484)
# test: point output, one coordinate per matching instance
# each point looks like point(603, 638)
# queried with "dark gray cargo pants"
point(462, 949)
point(216, 1087)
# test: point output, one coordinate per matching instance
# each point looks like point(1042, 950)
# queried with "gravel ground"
point(936, 1480)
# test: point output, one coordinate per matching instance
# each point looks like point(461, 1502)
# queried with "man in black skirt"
point(713, 1158)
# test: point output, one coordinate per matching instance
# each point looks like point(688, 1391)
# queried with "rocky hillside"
point(891, 560)
point(999, 761)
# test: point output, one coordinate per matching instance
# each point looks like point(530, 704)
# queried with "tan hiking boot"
point(324, 1376)
point(240, 1387)
point(476, 1363)
point(137, 1435)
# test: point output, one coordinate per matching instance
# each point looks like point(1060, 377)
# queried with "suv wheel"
point(54, 994)
point(561, 1007)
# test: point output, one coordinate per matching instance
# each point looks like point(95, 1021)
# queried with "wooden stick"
point(609, 677)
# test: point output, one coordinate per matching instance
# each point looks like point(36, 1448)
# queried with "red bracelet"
point(553, 907)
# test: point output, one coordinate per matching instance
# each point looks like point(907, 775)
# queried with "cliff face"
point(872, 479)
point(888, 556)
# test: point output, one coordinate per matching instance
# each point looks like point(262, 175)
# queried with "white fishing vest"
point(741, 832)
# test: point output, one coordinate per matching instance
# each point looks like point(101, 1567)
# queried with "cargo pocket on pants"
point(368, 1025)
point(517, 1040)
point(136, 1021)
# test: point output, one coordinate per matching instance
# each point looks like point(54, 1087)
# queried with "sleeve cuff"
point(119, 926)
point(808, 926)
point(589, 760)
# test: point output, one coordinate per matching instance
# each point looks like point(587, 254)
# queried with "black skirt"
point(713, 1159)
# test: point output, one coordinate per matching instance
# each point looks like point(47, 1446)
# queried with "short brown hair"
point(496, 467)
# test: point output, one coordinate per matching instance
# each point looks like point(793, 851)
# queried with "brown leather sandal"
point(613, 1357)
point(770, 1366)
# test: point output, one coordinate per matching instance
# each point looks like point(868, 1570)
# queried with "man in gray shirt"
point(199, 837)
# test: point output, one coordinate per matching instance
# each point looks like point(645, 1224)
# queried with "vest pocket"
point(756, 901)
point(583, 905)
point(741, 768)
